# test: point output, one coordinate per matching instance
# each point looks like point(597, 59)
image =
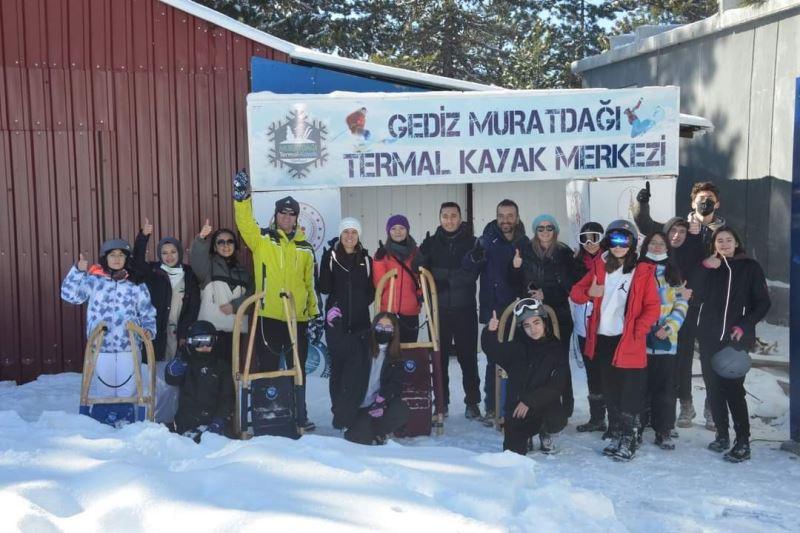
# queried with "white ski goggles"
point(590, 237)
point(201, 341)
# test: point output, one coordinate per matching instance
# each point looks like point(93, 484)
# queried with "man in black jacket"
point(443, 254)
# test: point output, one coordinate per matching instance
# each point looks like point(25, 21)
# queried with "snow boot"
point(664, 441)
point(472, 412)
point(740, 452)
point(488, 418)
point(614, 430)
point(628, 442)
point(308, 425)
point(721, 443)
point(710, 425)
point(686, 414)
point(597, 415)
point(546, 443)
point(612, 446)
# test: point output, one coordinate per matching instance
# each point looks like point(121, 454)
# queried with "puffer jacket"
point(554, 274)
point(407, 295)
point(280, 262)
point(443, 254)
point(641, 312)
point(347, 281)
point(116, 302)
point(673, 313)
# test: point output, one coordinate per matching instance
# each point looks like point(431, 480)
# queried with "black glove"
point(425, 247)
point(644, 195)
point(478, 252)
point(380, 253)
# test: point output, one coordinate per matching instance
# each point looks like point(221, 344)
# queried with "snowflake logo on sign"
point(297, 143)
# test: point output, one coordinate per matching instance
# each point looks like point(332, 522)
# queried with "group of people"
point(633, 312)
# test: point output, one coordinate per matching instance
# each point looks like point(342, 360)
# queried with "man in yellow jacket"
point(282, 260)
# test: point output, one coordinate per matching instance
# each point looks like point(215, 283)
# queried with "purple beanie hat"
point(395, 220)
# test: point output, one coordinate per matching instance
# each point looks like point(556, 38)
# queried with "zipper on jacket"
point(727, 298)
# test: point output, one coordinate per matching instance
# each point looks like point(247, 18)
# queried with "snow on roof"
point(320, 58)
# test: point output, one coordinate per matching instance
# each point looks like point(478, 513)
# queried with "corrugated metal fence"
point(110, 111)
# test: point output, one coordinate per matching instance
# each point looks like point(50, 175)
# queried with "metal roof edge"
point(729, 19)
point(321, 58)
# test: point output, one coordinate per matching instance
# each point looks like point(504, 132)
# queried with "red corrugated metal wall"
point(110, 111)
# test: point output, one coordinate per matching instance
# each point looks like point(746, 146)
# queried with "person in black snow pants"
point(545, 270)
point(733, 296)
point(535, 363)
point(345, 276)
point(589, 238)
point(206, 398)
point(175, 293)
point(368, 402)
point(443, 254)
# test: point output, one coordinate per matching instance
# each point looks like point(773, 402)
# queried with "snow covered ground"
point(61, 471)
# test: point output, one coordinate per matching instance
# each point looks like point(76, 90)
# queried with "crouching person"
point(368, 399)
point(205, 401)
point(535, 363)
point(116, 300)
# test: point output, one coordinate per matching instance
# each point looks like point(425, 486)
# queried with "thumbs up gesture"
point(83, 264)
point(685, 292)
point(694, 224)
point(493, 322)
point(595, 290)
point(517, 261)
point(206, 230)
point(147, 227)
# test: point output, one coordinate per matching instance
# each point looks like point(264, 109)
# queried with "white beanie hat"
point(350, 223)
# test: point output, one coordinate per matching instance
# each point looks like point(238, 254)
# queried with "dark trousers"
point(460, 326)
point(623, 388)
point(683, 370)
point(409, 327)
point(660, 395)
point(565, 326)
point(517, 431)
point(365, 428)
point(272, 344)
point(594, 371)
point(726, 395)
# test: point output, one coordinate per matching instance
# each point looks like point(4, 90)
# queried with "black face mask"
point(383, 337)
point(707, 207)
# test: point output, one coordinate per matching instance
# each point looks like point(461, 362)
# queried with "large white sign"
point(366, 139)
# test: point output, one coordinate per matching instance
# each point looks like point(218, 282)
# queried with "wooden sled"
point(266, 402)
point(144, 405)
point(422, 361)
point(500, 376)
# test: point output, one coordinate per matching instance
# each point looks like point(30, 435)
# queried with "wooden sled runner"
point(266, 402)
point(501, 378)
point(144, 406)
point(422, 361)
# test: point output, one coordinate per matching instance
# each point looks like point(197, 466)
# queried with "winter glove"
point(643, 197)
point(380, 253)
point(216, 426)
point(377, 407)
point(478, 252)
point(241, 186)
point(177, 367)
point(333, 313)
point(425, 247)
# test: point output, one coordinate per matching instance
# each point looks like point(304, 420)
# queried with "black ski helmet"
point(115, 244)
point(201, 327)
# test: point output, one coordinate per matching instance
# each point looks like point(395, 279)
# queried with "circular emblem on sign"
point(272, 393)
point(410, 366)
point(313, 225)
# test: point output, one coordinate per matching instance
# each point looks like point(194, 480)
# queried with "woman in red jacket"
point(399, 252)
point(625, 306)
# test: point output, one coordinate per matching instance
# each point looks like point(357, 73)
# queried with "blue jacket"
point(498, 288)
point(116, 302)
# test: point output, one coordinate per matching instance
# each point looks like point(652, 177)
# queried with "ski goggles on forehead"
point(201, 341)
point(526, 305)
point(620, 240)
point(590, 237)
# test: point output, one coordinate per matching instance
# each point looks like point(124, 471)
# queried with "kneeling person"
point(535, 364)
point(206, 396)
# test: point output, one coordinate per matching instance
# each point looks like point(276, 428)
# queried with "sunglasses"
point(620, 240)
point(542, 229)
point(590, 237)
point(384, 329)
point(201, 341)
point(223, 242)
point(287, 211)
point(527, 304)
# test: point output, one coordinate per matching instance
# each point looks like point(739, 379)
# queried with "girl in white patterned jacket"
point(114, 298)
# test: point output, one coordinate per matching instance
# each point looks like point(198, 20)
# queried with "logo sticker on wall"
point(297, 143)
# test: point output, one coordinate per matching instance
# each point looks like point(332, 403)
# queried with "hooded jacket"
point(734, 294)
point(493, 265)
point(116, 302)
point(641, 312)
point(554, 274)
point(347, 280)
point(444, 255)
point(281, 262)
point(160, 288)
